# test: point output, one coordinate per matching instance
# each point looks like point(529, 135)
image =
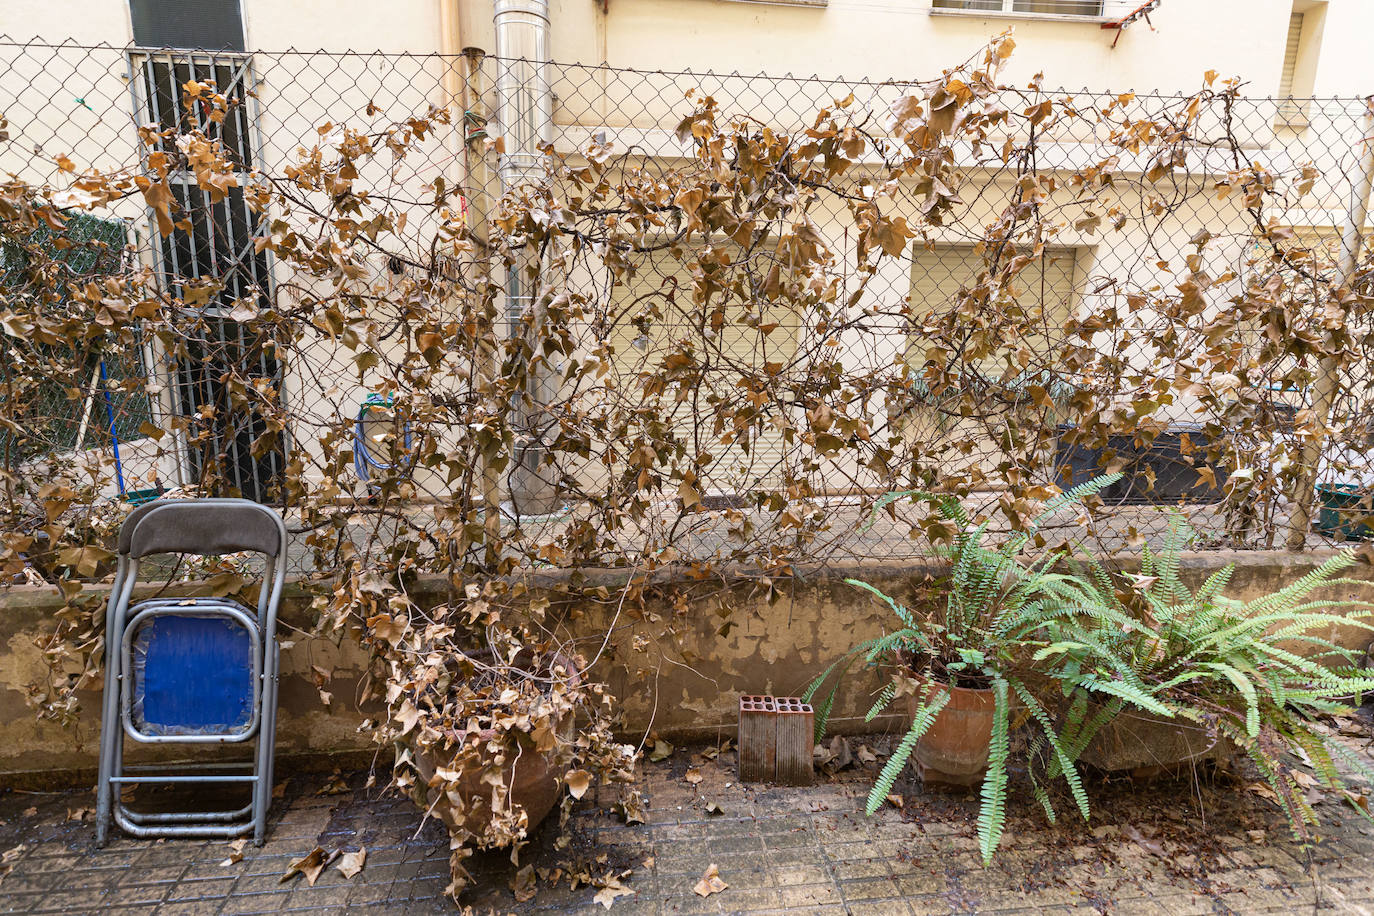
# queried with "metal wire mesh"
point(1056, 359)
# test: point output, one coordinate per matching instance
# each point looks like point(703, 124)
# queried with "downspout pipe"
point(524, 94)
point(524, 112)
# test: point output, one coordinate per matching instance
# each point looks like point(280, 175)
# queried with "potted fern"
point(971, 671)
point(1227, 673)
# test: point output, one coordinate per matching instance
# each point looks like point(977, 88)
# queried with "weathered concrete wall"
point(681, 687)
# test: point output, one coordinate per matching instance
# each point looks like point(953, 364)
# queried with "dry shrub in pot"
point(490, 726)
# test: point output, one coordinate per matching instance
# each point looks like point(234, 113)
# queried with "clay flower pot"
point(1148, 745)
point(954, 750)
point(531, 779)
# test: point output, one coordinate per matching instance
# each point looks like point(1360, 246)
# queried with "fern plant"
point(991, 632)
point(1256, 672)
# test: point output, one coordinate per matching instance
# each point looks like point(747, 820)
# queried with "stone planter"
point(954, 751)
point(1147, 746)
point(532, 780)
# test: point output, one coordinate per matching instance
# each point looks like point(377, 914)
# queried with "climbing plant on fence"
point(718, 321)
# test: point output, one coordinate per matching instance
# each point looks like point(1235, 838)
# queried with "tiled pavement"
point(1184, 847)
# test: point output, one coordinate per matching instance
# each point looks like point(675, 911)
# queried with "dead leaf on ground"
point(662, 751)
point(711, 753)
point(610, 891)
point(79, 814)
point(710, 882)
point(336, 785)
point(693, 776)
point(235, 853)
point(896, 801)
point(713, 808)
point(1132, 833)
point(1263, 790)
point(7, 859)
point(350, 863)
point(524, 885)
point(866, 755)
point(310, 865)
point(834, 756)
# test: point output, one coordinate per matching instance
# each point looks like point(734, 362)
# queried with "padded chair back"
point(208, 527)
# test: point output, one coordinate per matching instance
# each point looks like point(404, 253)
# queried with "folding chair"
point(191, 670)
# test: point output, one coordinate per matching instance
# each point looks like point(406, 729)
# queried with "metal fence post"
point(1327, 385)
point(479, 178)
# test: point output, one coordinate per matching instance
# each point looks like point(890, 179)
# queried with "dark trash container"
point(1175, 472)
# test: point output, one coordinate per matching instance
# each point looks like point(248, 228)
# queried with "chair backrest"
point(209, 527)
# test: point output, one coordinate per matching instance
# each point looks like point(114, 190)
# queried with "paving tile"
point(793, 851)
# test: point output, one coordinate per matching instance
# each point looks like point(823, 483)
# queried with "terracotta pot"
point(1148, 745)
point(954, 750)
point(532, 779)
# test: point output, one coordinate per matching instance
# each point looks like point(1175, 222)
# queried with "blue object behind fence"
point(192, 675)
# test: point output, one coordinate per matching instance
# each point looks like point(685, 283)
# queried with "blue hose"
point(363, 461)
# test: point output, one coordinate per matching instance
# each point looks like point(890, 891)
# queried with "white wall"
point(851, 38)
point(879, 38)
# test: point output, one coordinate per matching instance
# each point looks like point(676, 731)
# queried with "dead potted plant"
point(491, 726)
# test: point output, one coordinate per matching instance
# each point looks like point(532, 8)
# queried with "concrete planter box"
point(1146, 746)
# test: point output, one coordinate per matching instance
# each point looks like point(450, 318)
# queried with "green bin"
point(1347, 511)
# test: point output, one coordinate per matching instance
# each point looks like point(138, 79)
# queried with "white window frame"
point(1009, 11)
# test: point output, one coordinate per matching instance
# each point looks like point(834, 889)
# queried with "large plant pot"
point(1146, 746)
point(531, 778)
point(954, 750)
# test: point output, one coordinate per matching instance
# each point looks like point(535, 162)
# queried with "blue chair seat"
point(192, 675)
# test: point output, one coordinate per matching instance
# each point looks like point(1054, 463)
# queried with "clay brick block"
point(796, 736)
point(758, 738)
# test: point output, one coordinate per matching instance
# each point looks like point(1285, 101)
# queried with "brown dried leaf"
point(310, 865)
point(524, 885)
point(350, 863)
point(578, 781)
point(710, 883)
point(610, 891)
point(235, 853)
point(1132, 832)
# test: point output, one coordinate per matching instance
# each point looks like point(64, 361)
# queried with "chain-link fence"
point(736, 309)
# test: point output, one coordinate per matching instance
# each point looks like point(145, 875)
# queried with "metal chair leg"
point(110, 732)
point(267, 739)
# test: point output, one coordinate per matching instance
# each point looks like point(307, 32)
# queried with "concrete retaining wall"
point(683, 688)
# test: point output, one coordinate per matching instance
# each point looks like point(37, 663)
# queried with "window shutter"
point(214, 25)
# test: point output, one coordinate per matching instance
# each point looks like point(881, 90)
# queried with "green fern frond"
point(992, 813)
point(921, 722)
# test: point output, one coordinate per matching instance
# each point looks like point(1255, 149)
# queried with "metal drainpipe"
point(524, 100)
